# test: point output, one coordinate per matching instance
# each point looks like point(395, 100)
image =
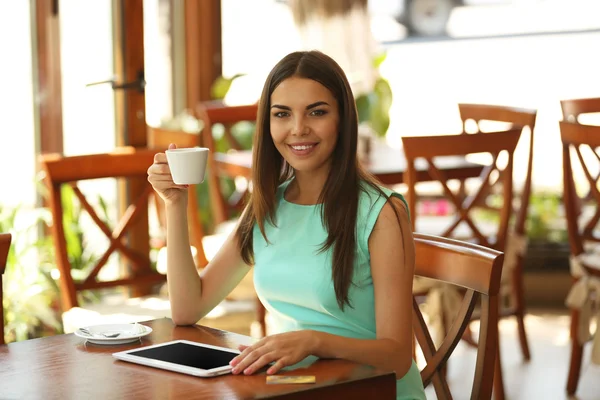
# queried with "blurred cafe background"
point(83, 78)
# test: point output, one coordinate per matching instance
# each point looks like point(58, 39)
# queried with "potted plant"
point(373, 111)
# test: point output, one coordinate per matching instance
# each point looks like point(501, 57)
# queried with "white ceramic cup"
point(188, 165)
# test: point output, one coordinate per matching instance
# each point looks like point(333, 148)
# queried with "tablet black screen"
point(189, 355)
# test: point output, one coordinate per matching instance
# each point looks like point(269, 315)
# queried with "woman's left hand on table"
point(282, 350)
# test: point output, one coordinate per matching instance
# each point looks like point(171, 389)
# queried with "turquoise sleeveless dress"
point(293, 279)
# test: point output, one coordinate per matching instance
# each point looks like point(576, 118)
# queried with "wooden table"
point(386, 163)
point(64, 367)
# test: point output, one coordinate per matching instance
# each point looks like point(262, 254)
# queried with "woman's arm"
point(192, 296)
point(391, 247)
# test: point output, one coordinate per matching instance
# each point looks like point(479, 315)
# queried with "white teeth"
point(302, 147)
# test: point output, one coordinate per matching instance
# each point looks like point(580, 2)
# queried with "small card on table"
point(287, 379)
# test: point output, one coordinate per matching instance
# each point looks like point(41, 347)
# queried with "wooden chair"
point(122, 163)
point(517, 240)
point(582, 221)
point(160, 139)
point(442, 299)
point(217, 113)
point(572, 109)
point(477, 270)
point(5, 239)
point(224, 208)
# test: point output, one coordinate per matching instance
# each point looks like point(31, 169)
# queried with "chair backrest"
point(434, 149)
point(517, 117)
point(572, 109)
point(127, 163)
point(159, 139)
point(580, 153)
point(218, 113)
point(5, 239)
point(476, 269)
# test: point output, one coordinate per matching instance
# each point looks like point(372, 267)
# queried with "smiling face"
point(304, 124)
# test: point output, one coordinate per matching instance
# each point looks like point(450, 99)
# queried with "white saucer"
point(127, 333)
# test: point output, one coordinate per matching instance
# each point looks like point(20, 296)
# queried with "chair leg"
point(498, 380)
point(519, 300)
point(576, 356)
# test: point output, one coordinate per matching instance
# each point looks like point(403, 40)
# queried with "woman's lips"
point(302, 149)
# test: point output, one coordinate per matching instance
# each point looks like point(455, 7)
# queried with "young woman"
point(332, 251)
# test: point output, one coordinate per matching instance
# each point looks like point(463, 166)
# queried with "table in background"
point(386, 163)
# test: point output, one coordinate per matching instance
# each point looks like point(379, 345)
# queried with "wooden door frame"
point(130, 106)
point(47, 76)
point(203, 48)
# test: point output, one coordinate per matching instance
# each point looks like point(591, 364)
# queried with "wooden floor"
point(544, 377)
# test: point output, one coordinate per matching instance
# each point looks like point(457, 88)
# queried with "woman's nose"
point(299, 128)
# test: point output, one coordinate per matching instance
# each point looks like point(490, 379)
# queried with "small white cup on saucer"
point(188, 165)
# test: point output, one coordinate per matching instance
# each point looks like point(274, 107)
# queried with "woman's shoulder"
point(372, 195)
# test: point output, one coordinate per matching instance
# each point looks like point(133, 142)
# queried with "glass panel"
point(86, 33)
point(16, 105)
point(158, 61)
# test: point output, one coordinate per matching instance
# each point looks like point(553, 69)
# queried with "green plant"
point(544, 221)
point(30, 294)
point(221, 86)
point(81, 258)
point(374, 107)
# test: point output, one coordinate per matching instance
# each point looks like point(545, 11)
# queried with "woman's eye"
point(280, 114)
point(318, 113)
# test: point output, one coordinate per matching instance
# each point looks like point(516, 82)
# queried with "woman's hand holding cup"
point(161, 179)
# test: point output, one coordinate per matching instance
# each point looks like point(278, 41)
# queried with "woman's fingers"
point(162, 184)
point(277, 366)
point(160, 158)
point(261, 362)
point(245, 350)
point(159, 169)
point(247, 359)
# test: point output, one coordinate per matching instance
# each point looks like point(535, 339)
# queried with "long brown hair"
point(341, 191)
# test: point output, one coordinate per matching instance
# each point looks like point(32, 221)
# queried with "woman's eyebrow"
point(308, 107)
point(318, 103)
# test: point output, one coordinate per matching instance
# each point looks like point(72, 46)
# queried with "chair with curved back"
point(517, 236)
point(5, 239)
point(477, 270)
point(442, 300)
point(572, 109)
point(579, 142)
point(217, 113)
point(125, 163)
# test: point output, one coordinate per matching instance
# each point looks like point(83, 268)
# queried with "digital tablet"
point(183, 356)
